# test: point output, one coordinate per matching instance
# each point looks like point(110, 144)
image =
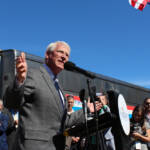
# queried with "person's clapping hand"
point(136, 135)
point(75, 139)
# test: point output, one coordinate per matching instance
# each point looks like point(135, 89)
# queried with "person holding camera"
point(146, 104)
point(140, 129)
point(107, 135)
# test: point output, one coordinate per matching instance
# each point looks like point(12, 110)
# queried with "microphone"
point(83, 94)
point(72, 67)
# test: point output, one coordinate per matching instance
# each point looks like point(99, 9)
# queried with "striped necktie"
point(59, 92)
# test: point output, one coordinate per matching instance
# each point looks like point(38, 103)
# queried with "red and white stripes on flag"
point(138, 4)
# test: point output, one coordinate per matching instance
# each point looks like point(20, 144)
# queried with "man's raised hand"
point(21, 68)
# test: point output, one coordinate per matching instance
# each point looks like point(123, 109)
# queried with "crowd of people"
point(139, 126)
point(45, 112)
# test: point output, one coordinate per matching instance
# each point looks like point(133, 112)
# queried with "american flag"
point(139, 4)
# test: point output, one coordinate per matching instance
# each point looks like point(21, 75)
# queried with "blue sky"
point(107, 37)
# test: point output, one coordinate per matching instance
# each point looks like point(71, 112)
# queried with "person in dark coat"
point(3, 128)
point(11, 125)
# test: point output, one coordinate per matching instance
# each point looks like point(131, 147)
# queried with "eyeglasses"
point(147, 103)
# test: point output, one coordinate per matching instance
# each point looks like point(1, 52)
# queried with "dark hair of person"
point(106, 95)
point(69, 97)
point(138, 109)
point(145, 99)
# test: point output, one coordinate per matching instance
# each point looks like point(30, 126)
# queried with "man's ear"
point(46, 54)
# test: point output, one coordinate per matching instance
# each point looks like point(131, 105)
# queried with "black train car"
point(72, 82)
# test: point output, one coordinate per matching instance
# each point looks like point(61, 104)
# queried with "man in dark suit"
point(40, 101)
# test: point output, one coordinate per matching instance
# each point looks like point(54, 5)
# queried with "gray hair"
point(51, 47)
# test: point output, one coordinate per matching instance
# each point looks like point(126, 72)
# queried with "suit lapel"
point(50, 83)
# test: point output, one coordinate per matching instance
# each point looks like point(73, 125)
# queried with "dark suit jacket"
point(41, 116)
point(10, 129)
point(3, 128)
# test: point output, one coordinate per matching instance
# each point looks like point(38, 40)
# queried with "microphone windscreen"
point(69, 65)
point(83, 94)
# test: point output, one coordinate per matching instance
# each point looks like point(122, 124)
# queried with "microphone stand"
point(86, 118)
point(85, 113)
point(95, 114)
point(83, 96)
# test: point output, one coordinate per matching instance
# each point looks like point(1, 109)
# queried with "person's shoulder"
point(106, 108)
point(38, 69)
point(5, 110)
point(33, 71)
point(3, 116)
point(147, 125)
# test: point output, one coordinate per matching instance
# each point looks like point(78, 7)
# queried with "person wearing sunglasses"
point(147, 113)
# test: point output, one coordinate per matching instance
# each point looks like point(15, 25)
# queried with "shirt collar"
point(50, 72)
point(69, 112)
